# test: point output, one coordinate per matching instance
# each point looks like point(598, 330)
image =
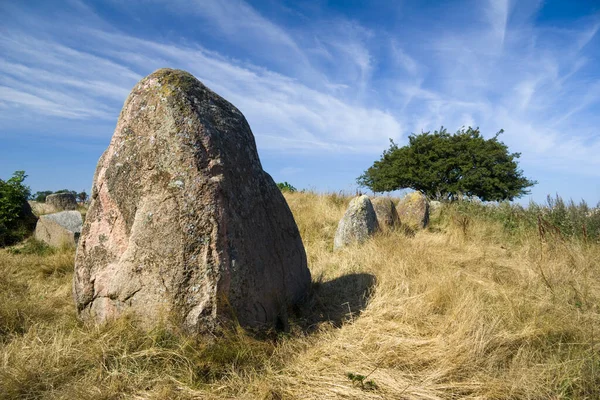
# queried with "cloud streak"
point(71, 83)
point(332, 85)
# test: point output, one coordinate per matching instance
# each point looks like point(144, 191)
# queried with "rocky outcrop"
point(385, 210)
point(413, 210)
point(358, 223)
point(59, 229)
point(62, 201)
point(183, 220)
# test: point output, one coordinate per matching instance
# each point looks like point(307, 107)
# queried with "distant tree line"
point(41, 195)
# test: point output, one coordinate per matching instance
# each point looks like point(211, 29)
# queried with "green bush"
point(286, 187)
point(16, 218)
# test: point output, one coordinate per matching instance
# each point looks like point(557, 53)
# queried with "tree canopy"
point(82, 196)
point(444, 166)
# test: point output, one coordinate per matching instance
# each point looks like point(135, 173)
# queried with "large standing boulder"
point(183, 221)
point(358, 223)
point(62, 201)
point(413, 210)
point(59, 229)
point(385, 210)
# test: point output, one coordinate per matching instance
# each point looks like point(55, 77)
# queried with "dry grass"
point(454, 312)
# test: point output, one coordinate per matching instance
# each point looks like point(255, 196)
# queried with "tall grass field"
point(489, 302)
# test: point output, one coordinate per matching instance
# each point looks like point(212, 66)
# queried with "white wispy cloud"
point(587, 35)
point(531, 81)
point(288, 171)
point(497, 13)
point(328, 86)
point(53, 79)
point(402, 59)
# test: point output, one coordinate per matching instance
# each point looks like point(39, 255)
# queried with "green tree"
point(444, 166)
point(16, 219)
point(41, 196)
point(82, 196)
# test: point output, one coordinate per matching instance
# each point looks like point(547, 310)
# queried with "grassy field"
point(466, 309)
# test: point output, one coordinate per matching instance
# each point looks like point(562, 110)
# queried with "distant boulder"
point(40, 208)
point(358, 223)
point(386, 213)
point(59, 229)
point(183, 220)
point(413, 210)
point(62, 201)
point(435, 208)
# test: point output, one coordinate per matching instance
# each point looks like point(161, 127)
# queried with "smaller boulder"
point(358, 223)
point(387, 216)
point(62, 201)
point(413, 210)
point(40, 208)
point(59, 229)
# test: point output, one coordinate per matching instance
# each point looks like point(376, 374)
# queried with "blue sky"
point(323, 84)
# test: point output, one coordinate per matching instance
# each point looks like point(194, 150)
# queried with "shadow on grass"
point(336, 301)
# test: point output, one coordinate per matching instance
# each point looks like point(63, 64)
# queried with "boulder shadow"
point(335, 301)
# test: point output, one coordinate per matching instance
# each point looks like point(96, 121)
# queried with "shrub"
point(16, 218)
point(286, 187)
